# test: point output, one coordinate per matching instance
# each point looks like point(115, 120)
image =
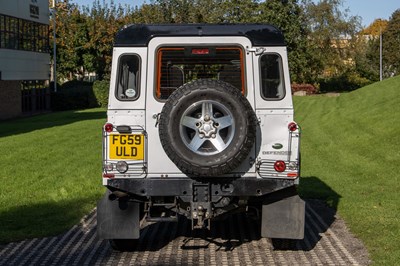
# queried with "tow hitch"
point(201, 206)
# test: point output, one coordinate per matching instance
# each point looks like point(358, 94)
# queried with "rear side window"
point(272, 81)
point(179, 65)
point(128, 78)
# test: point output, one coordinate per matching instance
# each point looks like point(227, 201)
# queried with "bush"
point(101, 90)
point(348, 81)
point(73, 95)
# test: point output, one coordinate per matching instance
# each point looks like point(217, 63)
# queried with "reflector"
point(108, 175)
point(292, 126)
point(108, 127)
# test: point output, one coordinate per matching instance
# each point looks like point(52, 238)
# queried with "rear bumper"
point(184, 187)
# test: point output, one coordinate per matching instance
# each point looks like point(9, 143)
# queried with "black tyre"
point(284, 244)
point(207, 128)
point(124, 244)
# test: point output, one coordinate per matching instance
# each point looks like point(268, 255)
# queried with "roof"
point(141, 34)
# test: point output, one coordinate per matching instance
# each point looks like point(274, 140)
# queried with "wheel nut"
point(201, 135)
point(213, 136)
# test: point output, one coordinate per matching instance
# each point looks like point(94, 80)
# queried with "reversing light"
point(280, 166)
point(292, 126)
point(108, 167)
point(108, 127)
point(122, 167)
point(292, 166)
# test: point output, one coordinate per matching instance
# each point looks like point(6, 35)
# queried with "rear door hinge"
point(257, 51)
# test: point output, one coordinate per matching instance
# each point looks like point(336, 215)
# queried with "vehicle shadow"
point(238, 229)
point(28, 124)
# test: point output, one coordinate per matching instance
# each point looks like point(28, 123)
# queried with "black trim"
point(140, 34)
point(183, 186)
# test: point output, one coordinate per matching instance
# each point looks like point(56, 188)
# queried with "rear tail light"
point(108, 127)
point(280, 166)
point(292, 126)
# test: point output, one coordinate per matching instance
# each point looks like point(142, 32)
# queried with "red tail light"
point(108, 127)
point(280, 166)
point(292, 126)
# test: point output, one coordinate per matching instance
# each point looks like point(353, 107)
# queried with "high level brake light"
point(200, 51)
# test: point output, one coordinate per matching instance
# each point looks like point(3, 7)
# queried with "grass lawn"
point(351, 145)
point(51, 166)
point(50, 172)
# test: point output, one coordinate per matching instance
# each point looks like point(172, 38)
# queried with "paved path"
point(235, 241)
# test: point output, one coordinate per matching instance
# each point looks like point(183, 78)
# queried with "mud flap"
point(117, 219)
point(284, 218)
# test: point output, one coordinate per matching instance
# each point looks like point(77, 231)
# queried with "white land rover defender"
point(200, 125)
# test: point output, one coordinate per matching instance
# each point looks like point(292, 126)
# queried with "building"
point(24, 57)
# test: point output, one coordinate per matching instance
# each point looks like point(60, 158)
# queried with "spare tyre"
point(207, 128)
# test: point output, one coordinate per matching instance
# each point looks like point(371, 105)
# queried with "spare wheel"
point(207, 128)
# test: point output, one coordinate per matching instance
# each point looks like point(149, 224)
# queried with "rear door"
point(176, 63)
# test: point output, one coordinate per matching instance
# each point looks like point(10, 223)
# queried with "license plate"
point(126, 146)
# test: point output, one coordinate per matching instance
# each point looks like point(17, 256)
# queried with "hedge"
point(100, 90)
point(76, 94)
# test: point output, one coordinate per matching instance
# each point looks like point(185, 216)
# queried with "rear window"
point(128, 78)
point(272, 82)
point(179, 65)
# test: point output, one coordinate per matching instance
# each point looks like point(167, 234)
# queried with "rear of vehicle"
point(200, 124)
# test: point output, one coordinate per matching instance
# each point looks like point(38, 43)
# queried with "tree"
point(103, 21)
point(376, 28)
point(71, 35)
point(391, 45)
point(289, 17)
point(333, 36)
point(367, 55)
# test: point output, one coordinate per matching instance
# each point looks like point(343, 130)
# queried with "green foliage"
point(101, 89)
point(290, 17)
point(332, 36)
point(321, 38)
point(350, 145)
point(391, 45)
point(73, 95)
point(348, 81)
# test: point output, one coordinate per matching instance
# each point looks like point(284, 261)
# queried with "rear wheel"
point(124, 244)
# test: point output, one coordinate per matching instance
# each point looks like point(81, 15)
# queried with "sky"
point(368, 10)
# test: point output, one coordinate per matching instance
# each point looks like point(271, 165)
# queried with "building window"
point(21, 34)
point(35, 96)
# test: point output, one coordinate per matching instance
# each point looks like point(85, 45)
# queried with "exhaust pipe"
point(116, 195)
